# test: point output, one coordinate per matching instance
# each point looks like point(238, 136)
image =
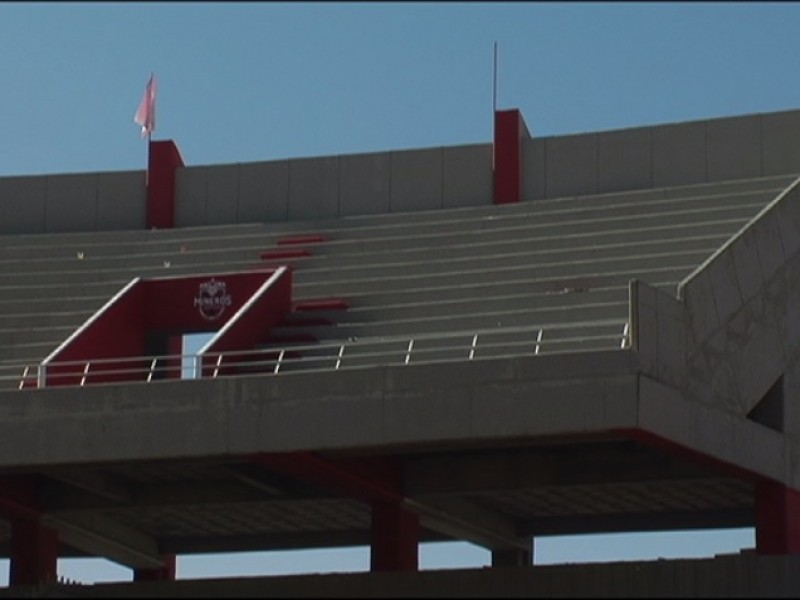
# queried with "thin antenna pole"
point(147, 163)
point(494, 106)
point(494, 87)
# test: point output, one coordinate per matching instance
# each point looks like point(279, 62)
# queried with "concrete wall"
point(729, 337)
point(662, 155)
point(411, 180)
point(335, 186)
point(72, 202)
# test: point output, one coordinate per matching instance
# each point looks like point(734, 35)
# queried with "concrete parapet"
point(423, 179)
point(729, 322)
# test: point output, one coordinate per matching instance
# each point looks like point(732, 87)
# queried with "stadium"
point(489, 343)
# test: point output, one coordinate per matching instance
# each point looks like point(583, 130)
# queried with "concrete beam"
point(464, 520)
point(721, 518)
point(100, 536)
point(609, 462)
point(95, 483)
point(392, 407)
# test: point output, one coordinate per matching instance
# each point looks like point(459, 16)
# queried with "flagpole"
point(494, 102)
point(494, 85)
point(145, 116)
point(147, 162)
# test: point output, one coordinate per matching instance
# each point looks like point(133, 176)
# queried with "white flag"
point(146, 114)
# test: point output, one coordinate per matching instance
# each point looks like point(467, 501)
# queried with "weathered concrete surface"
point(712, 354)
point(389, 407)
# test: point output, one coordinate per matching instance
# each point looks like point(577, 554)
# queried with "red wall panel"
point(118, 332)
point(159, 311)
point(508, 132)
point(246, 329)
point(199, 303)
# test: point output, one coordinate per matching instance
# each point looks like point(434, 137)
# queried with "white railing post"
point(472, 348)
point(41, 375)
point(24, 376)
point(278, 363)
point(339, 358)
point(217, 366)
point(152, 368)
point(408, 351)
point(625, 342)
point(85, 373)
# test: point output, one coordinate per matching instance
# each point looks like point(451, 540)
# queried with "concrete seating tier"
point(543, 276)
point(548, 219)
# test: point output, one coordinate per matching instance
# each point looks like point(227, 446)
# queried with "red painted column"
point(379, 483)
point(509, 130)
point(163, 160)
point(34, 553)
point(165, 573)
point(395, 538)
point(777, 519)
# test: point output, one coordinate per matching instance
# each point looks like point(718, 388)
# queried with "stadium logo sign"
point(212, 299)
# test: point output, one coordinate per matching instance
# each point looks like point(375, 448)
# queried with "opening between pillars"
point(192, 342)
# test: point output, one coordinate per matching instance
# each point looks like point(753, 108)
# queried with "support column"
point(509, 131)
point(164, 159)
point(395, 531)
point(777, 519)
point(513, 558)
point(395, 538)
point(34, 553)
point(165, 573)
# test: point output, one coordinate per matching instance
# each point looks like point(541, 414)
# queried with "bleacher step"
point(300, 239)
point(285, 254)
point(321, 304)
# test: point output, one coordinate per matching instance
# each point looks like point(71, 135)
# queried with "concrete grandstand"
point(487, 343)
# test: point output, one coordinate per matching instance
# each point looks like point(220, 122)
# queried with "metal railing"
point(326, 356)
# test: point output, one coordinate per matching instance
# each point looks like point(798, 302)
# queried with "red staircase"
point(282, 252)
point(305, 314)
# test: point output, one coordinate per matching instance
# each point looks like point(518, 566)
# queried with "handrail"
point(782, 197)
point(366, 351)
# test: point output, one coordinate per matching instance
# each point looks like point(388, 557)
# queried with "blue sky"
point(243, 82)
point(254, 81)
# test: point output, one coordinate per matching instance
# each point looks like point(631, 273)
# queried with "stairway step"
point(283, 254)
point(295, 338)
point(300, 320)
point(321, 304)
point(301, 239)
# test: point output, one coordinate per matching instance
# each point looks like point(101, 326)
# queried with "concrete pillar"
point(34, 553)
point(777, 519)
point(509, 130)
point(164, 159)
point(395, 538)
point(165, 573)
point(513, 558)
